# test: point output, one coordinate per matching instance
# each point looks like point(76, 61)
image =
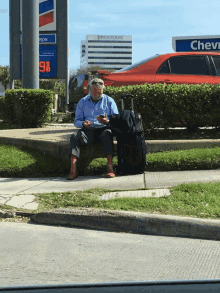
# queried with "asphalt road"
point(39, 254)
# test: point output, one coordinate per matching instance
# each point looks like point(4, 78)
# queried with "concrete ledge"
point(154, 146)
point(135, 222)
point(49, 144)
point(47, 147)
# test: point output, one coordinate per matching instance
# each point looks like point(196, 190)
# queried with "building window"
point(110, 63)
point(109, 52)
point(129, 42)
point(102, 47)
point(117, 58)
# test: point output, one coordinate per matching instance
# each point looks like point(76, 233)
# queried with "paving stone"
point(31, 206)
point(4, 198)
point(20, 200)
point(5, 195)
point(136, 194)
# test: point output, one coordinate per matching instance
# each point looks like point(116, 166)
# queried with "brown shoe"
point(72, 175)
point(110, 173)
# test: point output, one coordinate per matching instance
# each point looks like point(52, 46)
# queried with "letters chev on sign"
point(196, 44)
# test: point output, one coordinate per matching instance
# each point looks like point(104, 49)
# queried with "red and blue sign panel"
point(46, 12)
point(47, 15)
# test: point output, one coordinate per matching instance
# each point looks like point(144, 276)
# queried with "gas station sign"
point(196, 44)
point(47, 62)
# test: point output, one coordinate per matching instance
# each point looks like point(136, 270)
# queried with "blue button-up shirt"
point(88, 110)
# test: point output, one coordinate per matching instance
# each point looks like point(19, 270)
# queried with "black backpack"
point(131, 149)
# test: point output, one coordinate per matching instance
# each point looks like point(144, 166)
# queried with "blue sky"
point(152, 24)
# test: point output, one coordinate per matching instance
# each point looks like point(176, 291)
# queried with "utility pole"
point(30, 44)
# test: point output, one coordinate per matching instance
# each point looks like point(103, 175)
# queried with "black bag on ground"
point(131, 149)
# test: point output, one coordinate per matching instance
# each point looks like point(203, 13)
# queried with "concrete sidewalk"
point(18, 187)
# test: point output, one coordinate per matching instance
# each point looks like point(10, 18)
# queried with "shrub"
point(68, 118)
point(26, 107)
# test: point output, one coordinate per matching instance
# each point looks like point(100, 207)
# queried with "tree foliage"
point(56, 85)
point(18, 84)
point(5, 76)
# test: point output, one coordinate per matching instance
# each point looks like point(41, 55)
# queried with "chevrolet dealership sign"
point(196, 44)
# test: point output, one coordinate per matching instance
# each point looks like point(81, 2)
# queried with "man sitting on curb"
point(93, 127)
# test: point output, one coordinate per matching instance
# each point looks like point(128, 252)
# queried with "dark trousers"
point(90, 136)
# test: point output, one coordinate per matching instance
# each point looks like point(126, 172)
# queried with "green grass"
point(23, 162)
point(193, 159)
point(200, 200)
point(16, 161)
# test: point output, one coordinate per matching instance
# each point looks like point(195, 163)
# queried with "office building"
point(108, 51)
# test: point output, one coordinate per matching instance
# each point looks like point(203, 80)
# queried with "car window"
point(76, 88)
point(196, 65)
point(216, 60)
point(164, 68)
point(78, 81)
point(138, 63)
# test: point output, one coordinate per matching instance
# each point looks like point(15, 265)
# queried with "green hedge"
point(161, 106)
point(28, 108)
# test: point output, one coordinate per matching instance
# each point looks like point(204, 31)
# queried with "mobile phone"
point(102, 116)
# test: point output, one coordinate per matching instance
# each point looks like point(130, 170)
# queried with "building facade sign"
point(110, 37)
point(196, 44)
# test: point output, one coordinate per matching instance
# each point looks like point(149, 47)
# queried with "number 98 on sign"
point(44, 66)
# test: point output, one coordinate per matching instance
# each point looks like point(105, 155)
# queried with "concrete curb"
point(13, 214)
point(134, 222)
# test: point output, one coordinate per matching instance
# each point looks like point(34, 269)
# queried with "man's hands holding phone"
point(102, 119)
